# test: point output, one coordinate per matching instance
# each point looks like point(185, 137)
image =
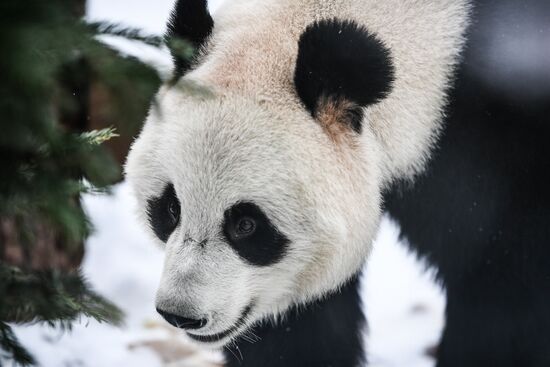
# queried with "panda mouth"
point(219, 336)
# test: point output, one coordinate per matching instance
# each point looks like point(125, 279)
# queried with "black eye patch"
point(255, 238)
point(164, 213)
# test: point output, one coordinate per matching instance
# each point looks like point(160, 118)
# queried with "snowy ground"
point(403, 305)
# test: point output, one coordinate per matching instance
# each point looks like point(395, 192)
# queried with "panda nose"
point(182, 322)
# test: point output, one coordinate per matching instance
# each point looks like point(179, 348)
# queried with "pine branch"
point(52, 297)
point(129, 33)
point(181, 48)
point(97, 137)
point(12, 349)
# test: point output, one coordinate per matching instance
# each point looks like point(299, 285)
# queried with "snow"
point(403, 304)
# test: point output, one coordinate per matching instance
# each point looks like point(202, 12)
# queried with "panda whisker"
point(255, 338)
point(250, 337)
point(239, 350)
point(228, 347)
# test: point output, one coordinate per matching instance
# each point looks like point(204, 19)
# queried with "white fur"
point(250, 138)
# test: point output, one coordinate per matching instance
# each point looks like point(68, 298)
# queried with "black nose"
point(182, 322)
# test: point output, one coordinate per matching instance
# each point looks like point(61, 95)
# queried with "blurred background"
point(403, 305)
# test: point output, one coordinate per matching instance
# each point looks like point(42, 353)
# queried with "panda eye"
point(252, 235)
point(174, 210)
point(164, 213)
point(245, 226)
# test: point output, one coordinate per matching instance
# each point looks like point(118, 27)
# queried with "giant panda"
point(265, 165)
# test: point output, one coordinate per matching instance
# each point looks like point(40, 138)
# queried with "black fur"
point(481, 215)
point(162, 220)
point(189, 21)
point(340, 60)
point(325, 333)
point(264, 246)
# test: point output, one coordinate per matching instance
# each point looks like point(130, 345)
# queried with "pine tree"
point(51, 64)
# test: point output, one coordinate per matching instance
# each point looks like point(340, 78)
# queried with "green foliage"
point(50, 60)
point(113, 29)
point(98, 136)
point(58, 298)
point(12, 348)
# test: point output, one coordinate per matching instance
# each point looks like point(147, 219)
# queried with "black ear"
point(340, 69)
point(189, 21)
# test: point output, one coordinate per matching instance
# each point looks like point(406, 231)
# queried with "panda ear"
point(340, 69)
point(191, 22)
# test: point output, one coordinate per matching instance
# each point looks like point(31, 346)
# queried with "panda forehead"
point(216, 114)
point(205, 160)
point(220, 131)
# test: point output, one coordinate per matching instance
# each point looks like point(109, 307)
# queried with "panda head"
point(262, 200)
